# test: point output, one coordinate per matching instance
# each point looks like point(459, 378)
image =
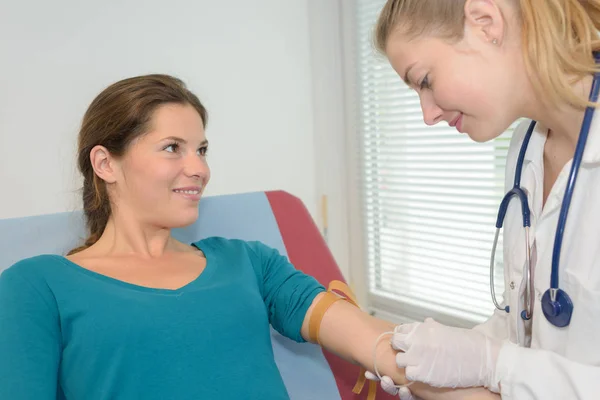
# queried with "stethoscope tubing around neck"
point(577, 158)
point(516, 189)
point(556, 304)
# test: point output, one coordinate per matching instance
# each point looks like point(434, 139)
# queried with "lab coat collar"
point(535, 149)
point(591, 155)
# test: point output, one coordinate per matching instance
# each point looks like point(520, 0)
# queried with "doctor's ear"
point(104, 165)
point(485, 18)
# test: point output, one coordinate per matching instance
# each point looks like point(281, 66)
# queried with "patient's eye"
point(172, 147)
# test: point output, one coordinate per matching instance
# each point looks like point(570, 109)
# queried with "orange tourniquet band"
point(314, 325)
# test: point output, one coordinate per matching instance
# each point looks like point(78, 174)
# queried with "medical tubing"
point(517, 182)
point(375, 359)
point(529, 276)
point(525, 212)
point(516, 191)
point(564, 210)
point(492, 270)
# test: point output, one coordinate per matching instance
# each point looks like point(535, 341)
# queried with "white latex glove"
point(444, 356)
point(388, 386)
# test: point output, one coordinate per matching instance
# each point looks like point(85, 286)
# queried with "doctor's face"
point(465, 84)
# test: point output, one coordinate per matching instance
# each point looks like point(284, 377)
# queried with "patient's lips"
point(189, 192)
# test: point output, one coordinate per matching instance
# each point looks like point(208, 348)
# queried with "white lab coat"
point(561, 363)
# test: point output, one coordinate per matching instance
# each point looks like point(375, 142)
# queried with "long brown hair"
point(116, 117)
point(558, 37)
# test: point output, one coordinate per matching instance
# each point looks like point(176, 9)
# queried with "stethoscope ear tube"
point(492, 269)
point(515, 191)
point(518, 192)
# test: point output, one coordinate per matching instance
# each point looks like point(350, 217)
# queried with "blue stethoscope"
point(556, 303)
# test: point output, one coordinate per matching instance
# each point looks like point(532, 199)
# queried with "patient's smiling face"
point(160, 178)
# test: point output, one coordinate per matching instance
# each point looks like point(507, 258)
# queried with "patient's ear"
point(104, 164)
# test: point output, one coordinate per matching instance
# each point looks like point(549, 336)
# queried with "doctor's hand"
point(389, 387)
point(444, 356)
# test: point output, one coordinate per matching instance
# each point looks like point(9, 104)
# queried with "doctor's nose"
point(432, 114)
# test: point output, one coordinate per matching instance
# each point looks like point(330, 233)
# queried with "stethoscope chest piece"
point(557, 311)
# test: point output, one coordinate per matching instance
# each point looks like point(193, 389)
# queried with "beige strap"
point(344, 290)
point(360, 383)
point(314, 326)
point(372, 390)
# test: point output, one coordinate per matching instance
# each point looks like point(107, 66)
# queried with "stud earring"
point(494, 41)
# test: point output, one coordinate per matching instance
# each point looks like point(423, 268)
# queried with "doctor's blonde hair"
point(558, 37)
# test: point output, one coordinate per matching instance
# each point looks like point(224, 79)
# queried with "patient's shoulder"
point(235, 250)
point(34, 268)
point(219, 243)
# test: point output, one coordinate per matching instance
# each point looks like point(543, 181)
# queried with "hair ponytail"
point(559, 38)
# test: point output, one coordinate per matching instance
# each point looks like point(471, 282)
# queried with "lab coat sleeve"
point(535, 374)
point(496, 327)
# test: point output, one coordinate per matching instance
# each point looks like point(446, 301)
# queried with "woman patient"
point(135, 314)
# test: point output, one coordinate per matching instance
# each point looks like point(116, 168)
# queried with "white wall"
point(331, 123)
point(265, 69)
point(248, 61)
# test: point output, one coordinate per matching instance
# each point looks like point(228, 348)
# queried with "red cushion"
point(309, 253)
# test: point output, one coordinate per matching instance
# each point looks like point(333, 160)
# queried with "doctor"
point(479, 65)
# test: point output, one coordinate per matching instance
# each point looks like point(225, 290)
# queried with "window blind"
point(430, 198)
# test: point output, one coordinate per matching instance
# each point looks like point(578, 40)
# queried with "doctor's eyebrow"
point(406, 77)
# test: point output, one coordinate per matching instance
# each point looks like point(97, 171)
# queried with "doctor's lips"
point(190, 192)
point(457, 122)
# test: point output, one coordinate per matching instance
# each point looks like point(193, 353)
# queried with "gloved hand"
point(388, 386)
point(444, 356)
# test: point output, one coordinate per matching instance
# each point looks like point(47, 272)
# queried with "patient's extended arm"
point(351, 333)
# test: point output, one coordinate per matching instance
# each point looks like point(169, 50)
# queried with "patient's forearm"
point(351, 333)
